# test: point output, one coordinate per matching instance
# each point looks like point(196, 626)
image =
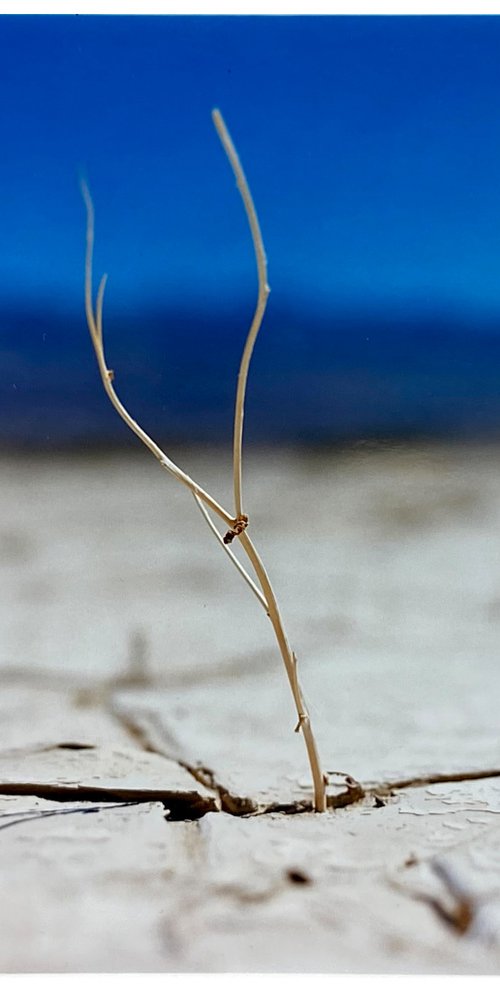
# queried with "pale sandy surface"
point(124, 628)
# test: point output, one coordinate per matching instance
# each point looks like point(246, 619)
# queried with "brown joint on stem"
point(300, 723)
point(110, 375)
point(239, 524)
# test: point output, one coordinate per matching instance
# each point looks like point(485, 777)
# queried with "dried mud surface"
point(154, 801)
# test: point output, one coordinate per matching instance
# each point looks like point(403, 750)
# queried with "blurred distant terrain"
point(372, 150)
point(316, 378)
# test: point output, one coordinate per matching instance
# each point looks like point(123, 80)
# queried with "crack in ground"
point(135, 675)
point(431, 779)
point(240, 806)
point(21, 816)
point(229, 803)
point(179, 806)
point(191, 806)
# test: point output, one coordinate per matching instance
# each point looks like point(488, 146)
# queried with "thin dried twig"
point(262, 296)
point(289, 658)
point(290, 662)
point(95, 326)
point(237, 524)
point(236, 562)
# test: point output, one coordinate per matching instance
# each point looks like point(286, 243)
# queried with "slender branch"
point(290, 662)
point(289, 658)
point(107, 375)
point(236, 562)
point(99, 305)
point(263, 294)
point(203, 499)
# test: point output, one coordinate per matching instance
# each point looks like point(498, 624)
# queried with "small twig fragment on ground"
point(461, 913)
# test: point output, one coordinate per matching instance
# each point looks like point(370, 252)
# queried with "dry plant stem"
point(290, 661)
point(203, 499)
point(241, 569)
point(263, 294)
point(95, 327)
point(270, 605)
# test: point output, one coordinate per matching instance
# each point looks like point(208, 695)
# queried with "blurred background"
point(372, 471)
point(372, 148)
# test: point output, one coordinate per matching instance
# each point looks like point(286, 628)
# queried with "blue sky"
point(371, 144)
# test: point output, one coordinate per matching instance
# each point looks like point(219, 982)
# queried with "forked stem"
point(289, 658)
point(204, 500)
point(94, 322)
point(237, 564)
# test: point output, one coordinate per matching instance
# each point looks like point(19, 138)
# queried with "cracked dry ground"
point(153, 797)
